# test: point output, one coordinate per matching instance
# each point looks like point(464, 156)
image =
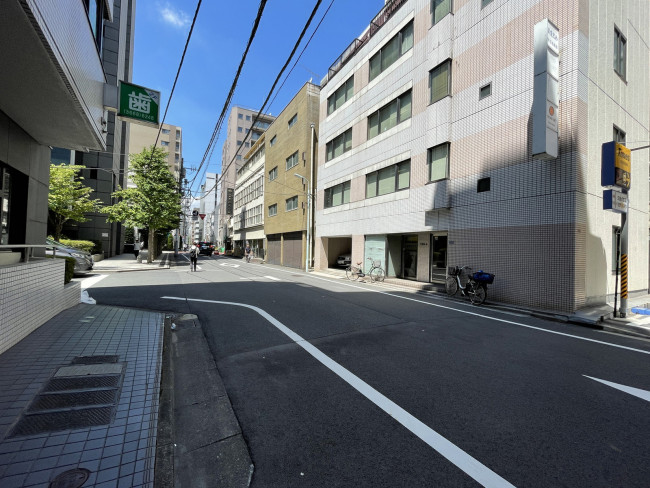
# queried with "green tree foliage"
point(154, 203)
point(68, 198)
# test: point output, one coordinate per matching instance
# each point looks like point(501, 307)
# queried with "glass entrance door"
point(438, 258)
point(409, 257)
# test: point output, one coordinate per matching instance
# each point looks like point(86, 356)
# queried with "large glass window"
point(337, 195)
point(438, 162)
point(390, 115)
point(339, 145)
point(388, 180)
point(440, 82)
point(292, 203)
point(5, 201)
point(439, 9)
point(342, 94)
point(292, 160)
point(620, 53)
point(401, 43)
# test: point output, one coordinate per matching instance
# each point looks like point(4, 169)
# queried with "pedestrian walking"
point(248, 252)
point(136, 249)
point(194, 256)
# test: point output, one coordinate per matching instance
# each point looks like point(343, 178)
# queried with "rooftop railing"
point(377, 23)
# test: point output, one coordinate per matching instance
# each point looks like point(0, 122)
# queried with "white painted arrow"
point(637, 392)
point(230, 265)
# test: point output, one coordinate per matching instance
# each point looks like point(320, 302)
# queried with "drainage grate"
point(82, 383)
point(55, 401)
point(95, 359)
point(70, 419)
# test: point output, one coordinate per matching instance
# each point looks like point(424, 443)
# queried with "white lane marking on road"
point(637, 392)
point(368, 289)
point(229, 265)
point(88, 282)
point(273, 278)
point(472, 467)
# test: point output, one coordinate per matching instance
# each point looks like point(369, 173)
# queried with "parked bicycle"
point(376, 272)
point(475, 283)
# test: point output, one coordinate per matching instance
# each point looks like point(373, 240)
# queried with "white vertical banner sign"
point(546, 90)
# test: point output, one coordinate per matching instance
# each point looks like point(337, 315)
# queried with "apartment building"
point(426, 146)
point(290, 171)
point(242, 132)
point(248, 219)
point(170, 140)
point(207, 206)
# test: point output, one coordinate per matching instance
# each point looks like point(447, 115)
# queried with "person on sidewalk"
point(136, 249)
point(249, 252)
point(194, 256)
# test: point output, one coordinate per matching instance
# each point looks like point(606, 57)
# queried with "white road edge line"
point(88, 282)
point(472, 467)
point(637, 392)
point(478, 314)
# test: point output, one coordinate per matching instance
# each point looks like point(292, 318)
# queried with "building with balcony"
point(242, 132)
point(289, 173)
point(426, 149)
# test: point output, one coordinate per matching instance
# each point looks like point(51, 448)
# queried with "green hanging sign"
point(139, 104)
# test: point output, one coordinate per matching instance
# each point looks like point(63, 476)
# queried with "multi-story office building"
point(54, 64)
point(170, 140)
point(248, 219)
point(426, 152)
point(207, 206)
point(238, 142)
point(290, 170)
point(106, 169)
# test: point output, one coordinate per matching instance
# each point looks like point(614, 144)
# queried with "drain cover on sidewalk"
point(73, 478)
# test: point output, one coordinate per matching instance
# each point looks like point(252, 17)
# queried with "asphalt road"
point(340, 384)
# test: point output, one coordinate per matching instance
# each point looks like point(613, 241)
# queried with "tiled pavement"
point(118, 454)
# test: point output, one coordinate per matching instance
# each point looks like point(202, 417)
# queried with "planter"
point(9, 257)
point(97, 257)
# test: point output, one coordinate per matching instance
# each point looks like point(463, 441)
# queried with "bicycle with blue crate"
point(475, 284)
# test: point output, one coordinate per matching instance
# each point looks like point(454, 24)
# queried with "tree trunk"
point(151, 249)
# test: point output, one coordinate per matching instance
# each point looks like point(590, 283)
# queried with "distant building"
point(426, 143)
point(290, 144)
point(240, 122)
point(170, 140)
point(207, 206)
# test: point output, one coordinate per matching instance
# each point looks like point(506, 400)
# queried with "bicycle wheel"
point(451, 286)
point(477, 294)
point(352, 273)
point(377, 274)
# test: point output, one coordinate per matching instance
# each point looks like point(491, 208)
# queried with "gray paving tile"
point(13, 481)
point(108, 475)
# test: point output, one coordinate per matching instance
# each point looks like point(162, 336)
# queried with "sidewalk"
point(79, 400)
point(127, 262)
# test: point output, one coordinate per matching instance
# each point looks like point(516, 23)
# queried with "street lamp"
point(308, 220)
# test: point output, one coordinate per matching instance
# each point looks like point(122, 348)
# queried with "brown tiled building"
point(290, 143)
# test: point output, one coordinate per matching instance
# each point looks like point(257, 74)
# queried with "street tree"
point(68, 198)
point(154, 203)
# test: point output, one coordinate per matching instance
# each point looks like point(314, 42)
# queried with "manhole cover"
point(95, 359)
point(73, 478)
point(82, 383)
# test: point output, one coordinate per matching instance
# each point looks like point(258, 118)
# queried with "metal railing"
point(27, 250)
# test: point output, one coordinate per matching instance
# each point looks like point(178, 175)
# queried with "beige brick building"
point(170, 140)
point(289, 142)
point(424, 152)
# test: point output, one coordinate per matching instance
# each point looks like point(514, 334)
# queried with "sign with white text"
point(615, 200)
point(138, 103)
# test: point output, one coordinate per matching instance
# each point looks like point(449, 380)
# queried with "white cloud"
point(176, 18)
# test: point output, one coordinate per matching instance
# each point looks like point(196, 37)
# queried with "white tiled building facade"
point(425, 147)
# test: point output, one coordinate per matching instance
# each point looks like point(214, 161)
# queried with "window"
point(273, 141)
point(485, 91)
point(292, 203)
point(340, 144)
point(95, 12)
point(619, 135)
point(177, 157)
point(248, 117)
point(178, 146)
point(293, 120)
point(438, 162)
point(337, 195)
point(485, 3)
point(165, 131)
point(273, 174)
point(240, 116)
point(238, 157)
point(239, 143)
point(342, 94)
point(240, 129)
point(273, 210)
point(619, 53)
point(292, 160)
point(390, 115)
point(164, 143)
point(246, 144)
point(439, 9)
point(440, 82)
point(483, 185)
point(178, 134)
point(388, 180)
point(392, 51)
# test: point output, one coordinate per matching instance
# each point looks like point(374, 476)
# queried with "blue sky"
point(215, 50)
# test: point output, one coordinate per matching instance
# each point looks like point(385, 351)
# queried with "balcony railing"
point(377, 23)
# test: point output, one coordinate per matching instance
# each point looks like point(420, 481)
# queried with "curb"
point(201, 442)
